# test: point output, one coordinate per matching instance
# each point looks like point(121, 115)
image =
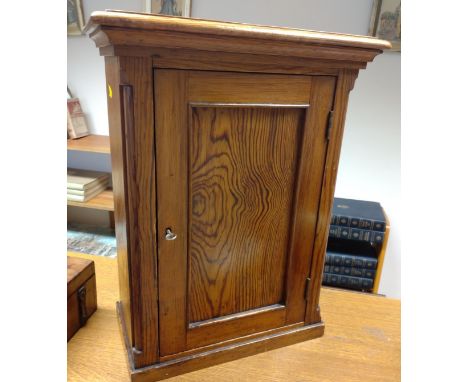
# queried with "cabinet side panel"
point(344, 86)
point(136, 83)
point(118, 181)
point(321, 92)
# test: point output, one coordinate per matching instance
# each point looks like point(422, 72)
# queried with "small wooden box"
point(81, 293)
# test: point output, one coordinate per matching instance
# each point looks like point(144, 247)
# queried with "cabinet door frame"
point(176, 92)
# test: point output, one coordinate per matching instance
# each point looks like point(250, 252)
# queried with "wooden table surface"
point(361, 343)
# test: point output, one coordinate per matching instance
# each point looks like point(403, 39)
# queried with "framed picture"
point(386, 22)
point(75, 20)
point(76, 121)
point(169, 7)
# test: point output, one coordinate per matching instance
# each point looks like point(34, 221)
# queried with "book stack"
point(355, 239)
point(83, 185)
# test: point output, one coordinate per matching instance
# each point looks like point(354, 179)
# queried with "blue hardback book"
point(350, 282)
point(340, 232)
point(360, 214)
point(353, 247)
point(339, 259)
point(350, 271)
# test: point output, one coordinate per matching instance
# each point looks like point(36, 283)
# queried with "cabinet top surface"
point(152, 22)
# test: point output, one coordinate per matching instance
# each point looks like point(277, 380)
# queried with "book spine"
point(338, 259)
point(76, 198)
point(101, 183)
point(350, 282)
point(71, 191)
point(342, 232)
point(75, 186)
point(350, 271)
point(355, 222)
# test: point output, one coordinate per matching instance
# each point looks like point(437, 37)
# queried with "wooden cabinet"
point(225, 141)
point(248, 150)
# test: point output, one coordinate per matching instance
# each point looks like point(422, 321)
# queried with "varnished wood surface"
point(243, 165)
point(80, 275)
point(136, 101)
point(171, 119)
point(311, 173)
point(237, 88)
point(253, 153)
point(103, 201)
point(90, 143)
point(251, 63)
point(74, 321)
point(78, 271)
point(130, 34)
point(155, 286)
point(340, 104)
point(117, 141)
point(361, 343)
point(223, 28)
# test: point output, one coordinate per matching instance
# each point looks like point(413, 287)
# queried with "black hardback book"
point(358, 214)
point(350, 282)
point(339, 259)
point(353, 247)
point(357, 234)
point(350, 271)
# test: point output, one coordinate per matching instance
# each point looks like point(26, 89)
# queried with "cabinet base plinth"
point(214, 356)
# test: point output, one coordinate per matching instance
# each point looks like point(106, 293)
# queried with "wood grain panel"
point(136, 96)
point(344, 86)
point(117, 145)
point(235, 339)
point(247, 88)
point(235, 62)
point(73, 313)
point(191, 59)
point(243, 167)
point(177, 40)
point(171, 151)
point(236, 326)
point(308, 194)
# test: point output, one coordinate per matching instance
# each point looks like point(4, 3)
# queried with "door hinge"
point(329, 125)
point(307, 289)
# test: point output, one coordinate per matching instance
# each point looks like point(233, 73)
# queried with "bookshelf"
point(92, 239)
point(90, 143)
point(104, 202)
point(94, 144)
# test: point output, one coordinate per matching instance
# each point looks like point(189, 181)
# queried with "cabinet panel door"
point(239, 169)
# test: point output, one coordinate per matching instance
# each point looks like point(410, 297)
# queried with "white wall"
point(86, 75)
point(370, 160)
point(86, 80)
point(370, 157)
